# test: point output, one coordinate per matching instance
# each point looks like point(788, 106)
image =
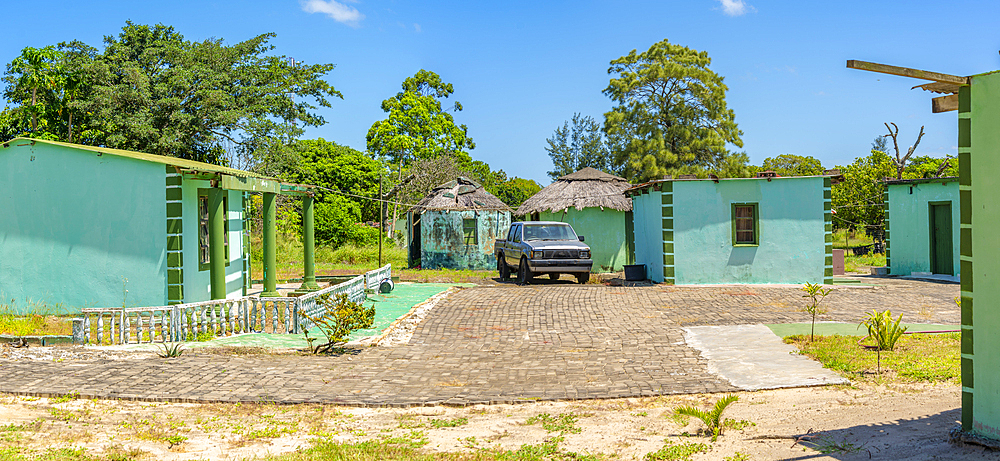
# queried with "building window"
point(745, 226)
point(204, 255)
point(470, 231)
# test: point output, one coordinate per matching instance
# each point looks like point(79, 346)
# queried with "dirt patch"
point(842, 423)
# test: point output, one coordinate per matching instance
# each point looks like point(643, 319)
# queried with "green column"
point(309, 244)
point(217, 242)
point(270, 240)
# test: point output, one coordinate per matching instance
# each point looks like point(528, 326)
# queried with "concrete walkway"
point(511, 344)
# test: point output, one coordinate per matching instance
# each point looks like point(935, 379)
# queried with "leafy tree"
point(514, 191)
point(418, 127)
point(578, 146)
point(671, 112)
point(340, 168)
point(794, 165)
point(31, 80)
point(336, 219)
point(151, 90)
point(929, 167)
point(857, 201)
point(733, 165)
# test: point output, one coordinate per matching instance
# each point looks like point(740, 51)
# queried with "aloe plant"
point(713, 418)
point(172, 351)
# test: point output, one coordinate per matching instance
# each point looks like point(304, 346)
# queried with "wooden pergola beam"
point(906, 72)
point(944, 103)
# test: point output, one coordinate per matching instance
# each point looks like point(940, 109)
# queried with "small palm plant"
point(884, 332)
point(817, 293)
point(169, 352)
point(712, 419)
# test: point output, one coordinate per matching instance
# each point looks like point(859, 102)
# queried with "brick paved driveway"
point(491, 345)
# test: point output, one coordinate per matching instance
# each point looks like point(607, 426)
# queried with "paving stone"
point(501, 344)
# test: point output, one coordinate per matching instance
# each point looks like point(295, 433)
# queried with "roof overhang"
point(940, 83)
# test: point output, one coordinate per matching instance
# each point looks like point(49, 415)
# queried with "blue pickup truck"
point(542, 247)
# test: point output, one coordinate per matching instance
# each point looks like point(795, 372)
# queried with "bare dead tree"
point(943, 166)
point(900, 161)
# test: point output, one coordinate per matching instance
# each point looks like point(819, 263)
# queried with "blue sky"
point(522, 68)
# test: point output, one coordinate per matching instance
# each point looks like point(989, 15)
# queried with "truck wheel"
point(502, 268)
point(553, 276)
point(523, 272)
point(583, 277)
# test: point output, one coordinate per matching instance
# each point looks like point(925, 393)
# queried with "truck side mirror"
point(581, 238)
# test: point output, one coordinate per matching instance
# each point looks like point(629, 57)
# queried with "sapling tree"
point(884, 332)
point(816, 293)
point(339, 318)
point(712, 418)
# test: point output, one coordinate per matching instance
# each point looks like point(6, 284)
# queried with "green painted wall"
point(74, 223)
point(979, 172)
point(792, 235)
point(197, 283)
point(604, 232)
point(909, 226)
point(647, 212)
point(443, 242)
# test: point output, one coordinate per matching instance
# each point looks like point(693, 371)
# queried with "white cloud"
point(335, 10)
point(735, 7)
point(417, 27)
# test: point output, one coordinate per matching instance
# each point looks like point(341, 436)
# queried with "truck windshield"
point(548, 232)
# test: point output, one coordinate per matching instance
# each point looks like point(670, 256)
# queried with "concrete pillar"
point(270, 242)
point(217, 242)
point(309, 245)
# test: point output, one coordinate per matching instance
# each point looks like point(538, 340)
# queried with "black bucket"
point(635, 272)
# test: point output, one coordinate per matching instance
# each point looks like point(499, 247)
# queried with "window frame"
point(203, 222)
point(756, 224)
point(474, 228)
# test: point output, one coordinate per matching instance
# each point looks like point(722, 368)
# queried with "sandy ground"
point(865, 421)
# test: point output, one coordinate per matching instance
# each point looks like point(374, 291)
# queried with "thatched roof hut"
point(587, 188)
point(460, 194)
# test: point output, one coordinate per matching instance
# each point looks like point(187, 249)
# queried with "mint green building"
point(977, 100)
point(753, 231)
point(84, 226)
point(922, 222)
point(594, 203)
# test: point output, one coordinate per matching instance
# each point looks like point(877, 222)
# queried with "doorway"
point(939, 216)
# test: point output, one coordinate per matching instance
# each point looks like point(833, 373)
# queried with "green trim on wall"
point(756, 223)
point(966, 276)
point(667, 213)
point(964, 169)
point(966, 414)
point(967, 341)
point(968, 380)
point(966, 311)
point(175, 236)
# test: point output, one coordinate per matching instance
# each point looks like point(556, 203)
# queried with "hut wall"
point(604, 231)
point(908, 223)
point(791, 223)
point(443, 243)
point(647, 209)
point(74, 224)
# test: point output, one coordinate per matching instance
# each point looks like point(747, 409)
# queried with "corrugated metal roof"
point(939, 87)
point(162, 159)
point(893, 182)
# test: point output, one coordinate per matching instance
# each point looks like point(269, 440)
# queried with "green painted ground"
point(388, 307)
point(845, 329)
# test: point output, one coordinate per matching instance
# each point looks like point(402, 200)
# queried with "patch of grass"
point(454, 422)
point(917, 358)
point(673, 452)
point(66, 398)
point(737, 457)
point(855, 239)
point(32, 319)
point(855, 263)
point(564, 423)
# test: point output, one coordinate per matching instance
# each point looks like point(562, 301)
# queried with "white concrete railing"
point(210, 319)
point(375, 277)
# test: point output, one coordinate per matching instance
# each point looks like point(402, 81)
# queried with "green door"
point(941, 241)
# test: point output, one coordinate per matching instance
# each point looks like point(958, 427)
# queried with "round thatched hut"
point(594, 203)
point(455, 227)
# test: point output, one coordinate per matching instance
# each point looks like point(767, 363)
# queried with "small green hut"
point(456, 226)
point(922, 220)
point(594, 203)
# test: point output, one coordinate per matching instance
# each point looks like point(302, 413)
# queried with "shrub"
point(339, 318)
